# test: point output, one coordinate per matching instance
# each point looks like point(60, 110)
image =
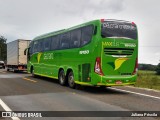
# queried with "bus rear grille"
point(118, 51)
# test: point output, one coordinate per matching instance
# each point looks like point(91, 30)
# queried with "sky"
point(26, 19)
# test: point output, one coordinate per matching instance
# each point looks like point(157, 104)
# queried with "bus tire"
point(32, 72)
point(61, 78)
point(103, 87)
point(71, 82)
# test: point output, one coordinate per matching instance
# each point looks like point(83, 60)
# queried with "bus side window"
point(47, 43)
point(40, 45)
point(55, 43)
point(35, 46)
point(75, 38)
point(65, 39)
point(31, 48)
point(87, 33)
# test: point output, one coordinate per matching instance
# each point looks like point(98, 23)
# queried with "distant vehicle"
point(16, 60)
point(97, 53)
point(2, 65)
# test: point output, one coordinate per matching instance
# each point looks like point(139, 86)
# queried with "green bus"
point(101, 52)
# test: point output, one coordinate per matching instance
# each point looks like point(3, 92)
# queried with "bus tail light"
point(133, 23)
point(102, 20)
point(97, 68)
point(136, 67)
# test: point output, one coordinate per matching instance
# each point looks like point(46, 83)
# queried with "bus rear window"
point(118, 29)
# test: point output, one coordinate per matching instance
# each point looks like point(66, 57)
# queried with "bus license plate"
point(118, 82)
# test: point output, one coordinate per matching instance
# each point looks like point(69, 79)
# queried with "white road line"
point(135, 93)
point(6, 108)
point(147, 89)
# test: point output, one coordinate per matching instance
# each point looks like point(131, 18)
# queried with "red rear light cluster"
point(97, 68)
point(136, 67)
point(133, 23)
point(102, 20)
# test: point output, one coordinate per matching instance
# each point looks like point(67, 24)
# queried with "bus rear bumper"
point(122, 84)
point(117, 80)
point(110, 81)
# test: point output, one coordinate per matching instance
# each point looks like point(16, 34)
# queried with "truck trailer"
point(16, 60)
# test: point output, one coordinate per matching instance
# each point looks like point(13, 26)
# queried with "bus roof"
point(115, 20)
point(63, 30)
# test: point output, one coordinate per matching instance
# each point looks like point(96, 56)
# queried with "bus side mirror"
point(25, 51)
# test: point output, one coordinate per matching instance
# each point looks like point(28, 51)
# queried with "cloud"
point(33, 17)
point(110, 6)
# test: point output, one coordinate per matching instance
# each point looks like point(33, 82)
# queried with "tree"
point(147, 67)
point(3, 48)
point(158, 69)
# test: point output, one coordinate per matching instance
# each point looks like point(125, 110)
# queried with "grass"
point(148, 79)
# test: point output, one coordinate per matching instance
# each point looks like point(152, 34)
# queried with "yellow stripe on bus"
point(46, 76)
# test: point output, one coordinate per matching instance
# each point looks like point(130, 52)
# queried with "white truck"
point(16, 60)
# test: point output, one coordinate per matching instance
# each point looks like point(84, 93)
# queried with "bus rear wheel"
point(61, 78)
point(71, 82)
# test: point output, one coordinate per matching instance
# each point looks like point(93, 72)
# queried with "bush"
point(148, 79)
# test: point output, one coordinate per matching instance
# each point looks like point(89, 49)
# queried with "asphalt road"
point(21, 92)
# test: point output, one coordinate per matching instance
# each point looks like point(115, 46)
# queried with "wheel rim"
point(62, 78)
point(71, 80)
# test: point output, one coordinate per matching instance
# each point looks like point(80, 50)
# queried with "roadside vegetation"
point(3, 48)
point(148, 79)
